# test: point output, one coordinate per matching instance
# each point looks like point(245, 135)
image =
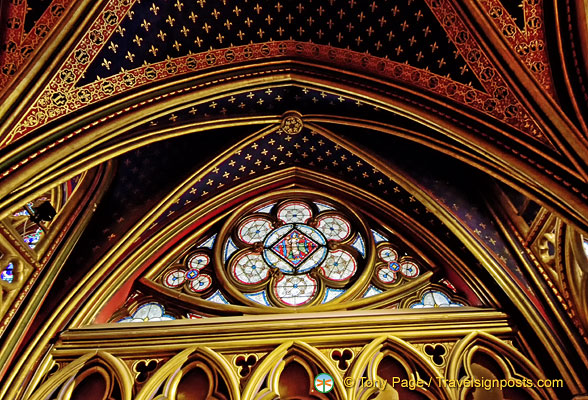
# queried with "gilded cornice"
point(175, 335)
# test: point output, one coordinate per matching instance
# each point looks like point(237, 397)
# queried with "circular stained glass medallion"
point(385, 275)
point(409, 269)
point(198, 261)
point(334, 227)
point(250, 268)
point(292, 212)
point(174, 278)
point(200, 283)
point(254, 230)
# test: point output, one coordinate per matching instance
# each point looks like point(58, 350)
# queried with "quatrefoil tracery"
point(293, 249)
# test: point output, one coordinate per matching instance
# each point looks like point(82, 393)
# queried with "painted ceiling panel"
point(423, 44)
point(521, 24)
point(27, 24)
point(406, 33)
point(34, 10)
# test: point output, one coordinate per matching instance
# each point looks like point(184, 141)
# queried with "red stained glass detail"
point(295, 247)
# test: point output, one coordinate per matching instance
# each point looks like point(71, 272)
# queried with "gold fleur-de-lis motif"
point(106, 64)
point(138, 40)
point(130, 56)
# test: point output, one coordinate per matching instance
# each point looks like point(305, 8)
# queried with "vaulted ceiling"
point(499, 85)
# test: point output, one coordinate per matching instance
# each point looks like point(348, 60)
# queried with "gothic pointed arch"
point(275, 186)
point(484, 357)
point(97, 374)
point(211, 234)
point(198, 372)
point(236, 194)
point(289, 371)
point(390, 361)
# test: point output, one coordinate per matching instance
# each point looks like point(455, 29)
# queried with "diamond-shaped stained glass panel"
point(295, 247)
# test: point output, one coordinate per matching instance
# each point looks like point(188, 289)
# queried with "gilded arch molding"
point(569, 38)
point(109, 132)
point(273, 365)
point(371, 356)
point(171, 373)
point(42, 266)
point(110, 259)
point(556, 178)
point(522, 368)
point(567, 137)
point(64, 380)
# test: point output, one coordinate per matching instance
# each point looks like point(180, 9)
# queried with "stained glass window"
point(298, 253)
point(7, 275)
point(31, 239)
point(301, 240)
point(30, 232)
point(433, 299)
point(195, 275)
point(585, 245)
point(58, 196)
point(149, 312)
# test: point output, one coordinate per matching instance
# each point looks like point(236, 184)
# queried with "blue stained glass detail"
point(276, 235)
point(378, 238)
point(149, 312)
point(8, 275)
point(259, 297)
point(394, 266)
point(209, 243)
point(359, 245)
point(192, 274)
point(33, 238)
point(230, 248)
point(217, 297)
point(21, 213)
point(312, 233)
point(331, 294)
point(435, 299)
point(372, 291)
point(585, 245)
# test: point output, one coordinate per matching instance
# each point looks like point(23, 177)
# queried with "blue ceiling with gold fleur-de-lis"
point(155, 30)
point(423, 44)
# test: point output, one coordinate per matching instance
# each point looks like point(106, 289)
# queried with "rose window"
point(293, 252)
point(301, 252)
